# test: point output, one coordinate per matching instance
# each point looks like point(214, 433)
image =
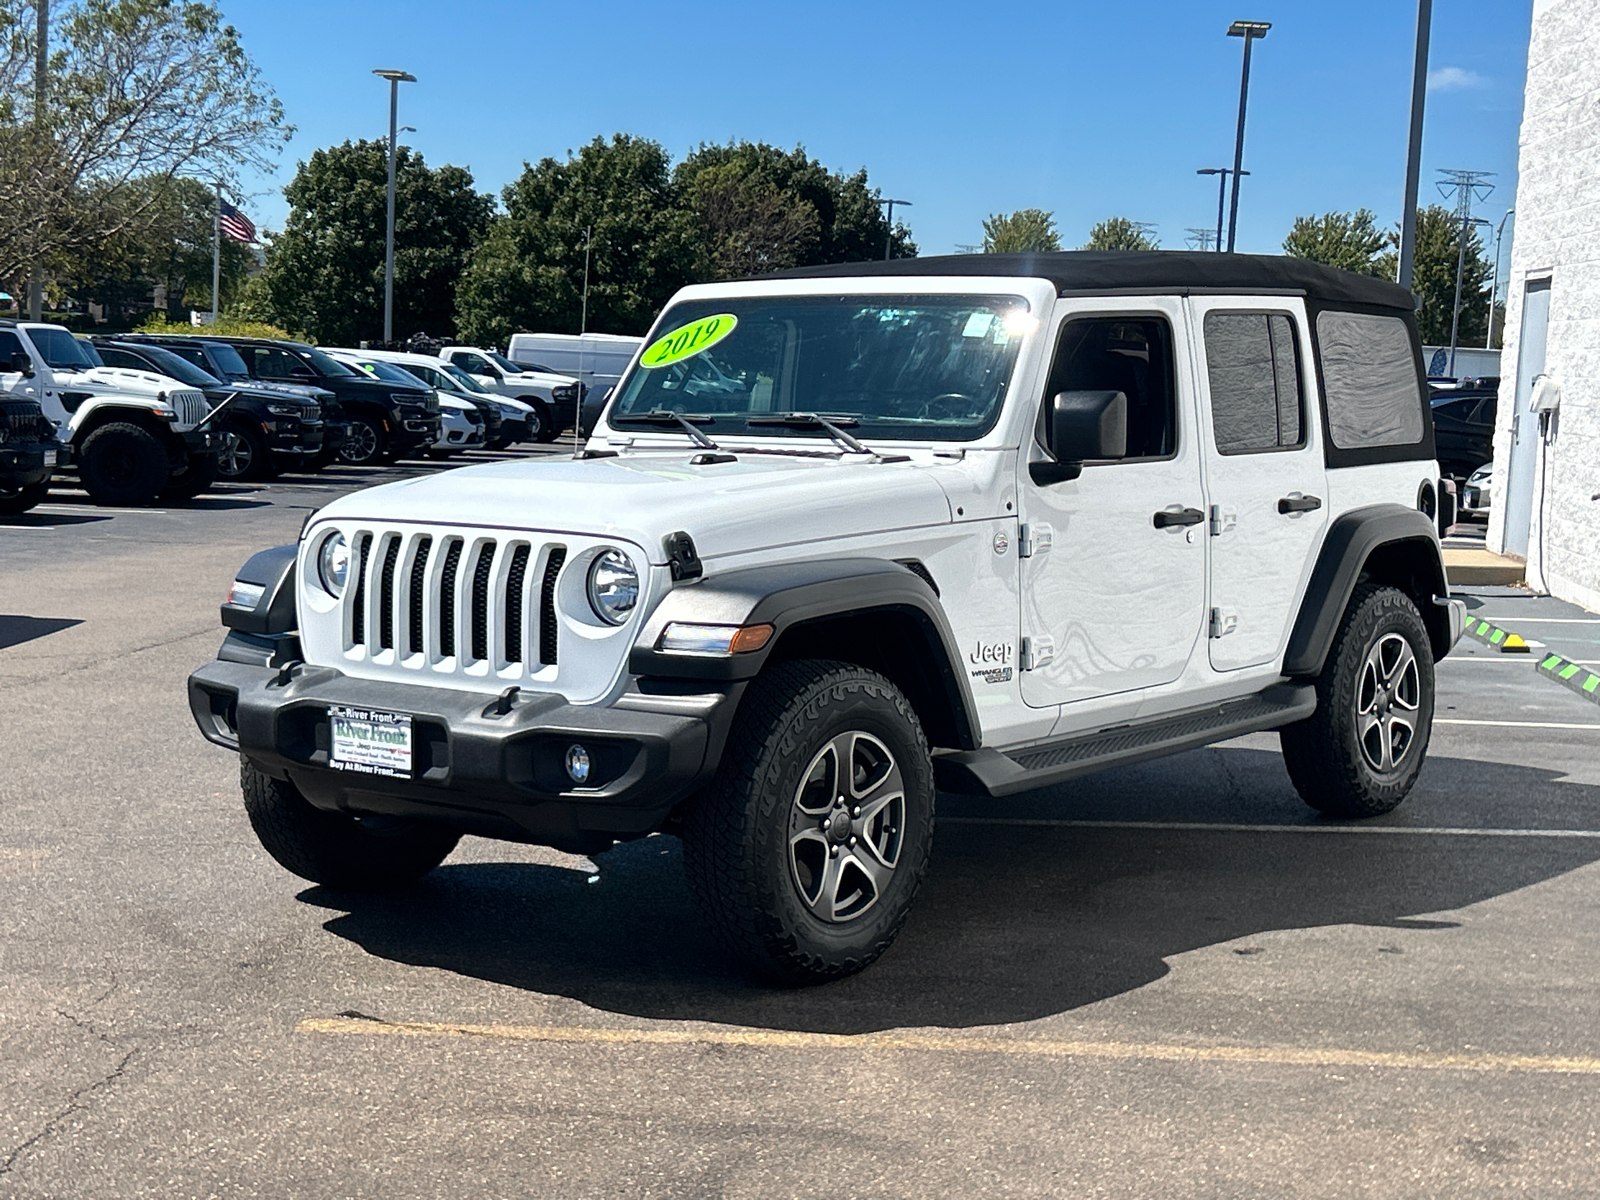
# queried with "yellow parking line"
point(944, 1043)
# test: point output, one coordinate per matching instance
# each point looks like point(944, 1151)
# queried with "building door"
point(1264, 474)
point(1524, 462)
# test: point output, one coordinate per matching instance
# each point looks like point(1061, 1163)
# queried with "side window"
point(10, 344)
point(1132, 355)
point(272, 363)
point(1369, 373)
point(1253, 364)
point(192, 355)
point(121, 358)
point(473, 364)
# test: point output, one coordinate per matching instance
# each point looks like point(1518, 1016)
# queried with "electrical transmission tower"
point(1201, 238)
point(1467, 186)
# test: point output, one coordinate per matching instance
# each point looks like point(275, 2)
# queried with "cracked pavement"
point(181, 1018)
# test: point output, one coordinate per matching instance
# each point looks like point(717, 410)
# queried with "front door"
point(1264, 473)
point(1113, 595)
point(1524, 421)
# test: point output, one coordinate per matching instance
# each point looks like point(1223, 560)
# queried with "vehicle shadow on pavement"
point(14, 630)
point(1013, 923)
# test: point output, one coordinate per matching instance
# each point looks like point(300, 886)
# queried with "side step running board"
point(997, 773)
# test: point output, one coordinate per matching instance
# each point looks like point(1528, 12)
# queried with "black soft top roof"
point(1177, 271)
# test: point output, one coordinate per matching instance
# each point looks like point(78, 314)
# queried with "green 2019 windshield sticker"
point(688, 340)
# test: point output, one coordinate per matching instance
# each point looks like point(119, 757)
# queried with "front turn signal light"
point(682, 637)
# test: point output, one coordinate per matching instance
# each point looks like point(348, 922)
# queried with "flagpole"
point(216, 254)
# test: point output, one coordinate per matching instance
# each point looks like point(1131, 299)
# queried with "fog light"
point(578, 764)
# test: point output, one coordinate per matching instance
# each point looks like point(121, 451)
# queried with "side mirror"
point(1082, 426)
point(22, 364)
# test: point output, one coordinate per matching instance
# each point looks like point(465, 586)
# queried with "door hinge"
point(1223, 622)
point(1034, 539)
point(1036, 652)
point(1223, 519)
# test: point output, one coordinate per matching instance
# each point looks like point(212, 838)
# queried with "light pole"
point(1488, 337)
point(1222, 194)
point(888, 239)
point(1249, 31)
point(1419, 94)
point(395, 78)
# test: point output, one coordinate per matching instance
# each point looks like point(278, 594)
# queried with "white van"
point(596, 358)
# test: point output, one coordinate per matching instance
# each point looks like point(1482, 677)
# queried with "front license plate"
point(49, 458)
point(370, 741)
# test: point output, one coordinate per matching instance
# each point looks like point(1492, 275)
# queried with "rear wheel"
point(367, 444)
point(20, 500)
point(1359, 754)
point(358, 854)
point(807, 849)
point(122, 464)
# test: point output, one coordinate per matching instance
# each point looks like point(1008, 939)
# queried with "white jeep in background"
point(552, 399)
point(846, 536)
point(135, 435)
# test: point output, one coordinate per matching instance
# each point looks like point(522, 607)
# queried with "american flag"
point(234, 223)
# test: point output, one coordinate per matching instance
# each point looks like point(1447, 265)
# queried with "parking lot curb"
point(1571, 675)
point(1496, 638)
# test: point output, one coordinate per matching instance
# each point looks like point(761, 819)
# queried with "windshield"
point(913, 367)
point(173, 366)
point(325, 366)
point(467, 382)
point(63, 352)
point(505, 364)
point(228, 361)
point(389, 373)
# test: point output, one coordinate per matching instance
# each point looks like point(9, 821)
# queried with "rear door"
point(1266, 482)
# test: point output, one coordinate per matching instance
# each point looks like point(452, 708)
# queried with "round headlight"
point(613, 586)
point(333, 564)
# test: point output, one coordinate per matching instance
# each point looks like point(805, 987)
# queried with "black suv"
point(263, 430)
point(1463, 427)
point(387, 420)
point(29, 454)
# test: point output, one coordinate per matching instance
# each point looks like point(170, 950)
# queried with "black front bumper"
point(472, 768)
point(23, 464)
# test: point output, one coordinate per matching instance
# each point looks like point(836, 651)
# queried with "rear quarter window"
point(1369, 378)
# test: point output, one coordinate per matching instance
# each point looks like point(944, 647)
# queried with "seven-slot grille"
point(464, 600)
point(21, 421)
point(190, 405)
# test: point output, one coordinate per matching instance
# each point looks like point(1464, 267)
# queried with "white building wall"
point(1557, 236)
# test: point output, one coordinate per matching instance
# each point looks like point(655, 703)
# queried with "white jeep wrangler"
point(846, 536)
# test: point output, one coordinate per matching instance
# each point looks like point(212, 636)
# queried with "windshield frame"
point(509, 366)
point(467, 382)
point(57, 336)
point(326, 366)
point(1030, 299)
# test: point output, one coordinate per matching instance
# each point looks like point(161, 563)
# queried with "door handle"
point(1299, 504)
point(1183, 516)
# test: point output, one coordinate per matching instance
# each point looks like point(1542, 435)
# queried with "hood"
point(125, 380)
point(760, 501)
point(302, 391)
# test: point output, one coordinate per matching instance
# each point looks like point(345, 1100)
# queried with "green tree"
point(138, 90)
point(1028, 230)
point(1119, 233)
point(528, 273)
point(1349, 241)
point(756, 204)
point(171, 250)
point(1433, 277)
point(324, 272)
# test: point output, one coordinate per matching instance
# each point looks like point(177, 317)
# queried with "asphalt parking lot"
point(1170, 980)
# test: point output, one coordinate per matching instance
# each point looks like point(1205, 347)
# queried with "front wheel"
point(359, 854)
point(243, 455)
point(123, 465)
point(21, 499)
point(196, 477)
point(366, 445)
point(807, 849)
point(1359, 754)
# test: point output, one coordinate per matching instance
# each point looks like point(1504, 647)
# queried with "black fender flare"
point(273, 571)
point(789, 596)
point(1407, 541)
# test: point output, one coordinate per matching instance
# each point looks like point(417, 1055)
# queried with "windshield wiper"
point(829, 425)
point(662, 416)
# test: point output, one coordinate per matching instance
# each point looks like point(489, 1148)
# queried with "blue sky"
point(1086, 109)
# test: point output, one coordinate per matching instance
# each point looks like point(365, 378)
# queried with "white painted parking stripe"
point(1225, 827)
point(1545, 620)
point(95, 508)
point(1513, 724)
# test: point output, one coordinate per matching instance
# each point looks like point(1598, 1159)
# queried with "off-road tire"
point(20, 500)
point(1324, 753)
point(736, 833)
point(367, 444)
point(198, 477)
point(122, 465)
point(369, 854)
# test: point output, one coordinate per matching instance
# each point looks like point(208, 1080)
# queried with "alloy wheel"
point(362, 444)
point(1387, 702)
point(235, 456)
point(846, 823)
